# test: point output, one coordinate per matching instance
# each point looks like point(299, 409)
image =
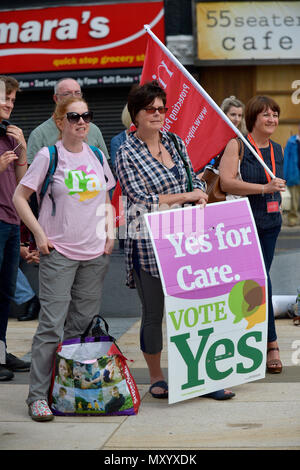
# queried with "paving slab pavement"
point(263, 415)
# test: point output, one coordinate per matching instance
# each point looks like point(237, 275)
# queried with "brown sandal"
point(274, 366)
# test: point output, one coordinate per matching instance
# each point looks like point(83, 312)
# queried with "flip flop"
point(219, 395)
point(161, 384)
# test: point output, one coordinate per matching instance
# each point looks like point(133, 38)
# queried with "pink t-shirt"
point(80, 183)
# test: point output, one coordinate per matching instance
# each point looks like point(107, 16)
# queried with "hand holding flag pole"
point(207, 98)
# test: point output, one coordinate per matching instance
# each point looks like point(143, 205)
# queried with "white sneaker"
point(40, 411)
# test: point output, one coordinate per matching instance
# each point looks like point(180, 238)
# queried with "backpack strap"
point(98, 153)
point(49, 177)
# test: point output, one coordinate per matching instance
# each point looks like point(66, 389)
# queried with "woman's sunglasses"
point(73, 118)
point(152, 110)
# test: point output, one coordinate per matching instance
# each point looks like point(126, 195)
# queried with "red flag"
point(190, 114)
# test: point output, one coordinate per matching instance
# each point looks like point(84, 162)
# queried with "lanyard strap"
point(250, 138)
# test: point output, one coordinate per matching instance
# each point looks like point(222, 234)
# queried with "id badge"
point(272, 206)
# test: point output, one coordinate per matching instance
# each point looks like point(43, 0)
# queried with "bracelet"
point(21, 164)
point(263, 190)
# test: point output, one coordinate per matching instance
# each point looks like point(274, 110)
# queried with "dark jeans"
point(9, 263)
point(268, 240)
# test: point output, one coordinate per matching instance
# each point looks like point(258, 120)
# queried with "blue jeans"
point(268, 240)
point(9, 263)
point(24, 291)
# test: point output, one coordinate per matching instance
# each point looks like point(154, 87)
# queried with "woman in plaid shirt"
point(151, 174)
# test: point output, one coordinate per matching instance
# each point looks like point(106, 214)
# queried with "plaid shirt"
point(142, 179)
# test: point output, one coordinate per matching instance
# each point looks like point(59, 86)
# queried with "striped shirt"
point(142, 179)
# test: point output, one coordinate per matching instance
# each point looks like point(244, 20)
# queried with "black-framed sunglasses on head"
point(73, 117)
point(152, 109)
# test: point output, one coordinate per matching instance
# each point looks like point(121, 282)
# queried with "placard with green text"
point(215, 287)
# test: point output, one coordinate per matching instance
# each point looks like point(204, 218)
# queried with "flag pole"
point(207, 97)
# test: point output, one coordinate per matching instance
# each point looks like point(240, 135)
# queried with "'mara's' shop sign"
point(77, 37)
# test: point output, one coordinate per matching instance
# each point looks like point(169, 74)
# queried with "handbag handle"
point(185, 163)
point(86, 332)
point(240, 152)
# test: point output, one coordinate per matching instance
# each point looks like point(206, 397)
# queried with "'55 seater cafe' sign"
point(78, 37)
point(214, 282)
point(248, 31)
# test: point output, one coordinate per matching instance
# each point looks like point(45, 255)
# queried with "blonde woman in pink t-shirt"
point(74, 244)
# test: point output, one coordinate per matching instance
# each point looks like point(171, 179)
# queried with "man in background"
point(47, 134)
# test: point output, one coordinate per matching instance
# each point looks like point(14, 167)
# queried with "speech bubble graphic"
point(258, 317)
point(247, 300)
point(253, 296)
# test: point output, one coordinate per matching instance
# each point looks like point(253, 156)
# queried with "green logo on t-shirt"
point(83, 181)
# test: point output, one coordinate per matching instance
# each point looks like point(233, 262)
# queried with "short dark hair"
point(257, 105)
point(141, 96)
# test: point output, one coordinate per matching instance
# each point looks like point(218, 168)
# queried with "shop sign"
point(248, 30)
point(99, 78)
point(102, 36)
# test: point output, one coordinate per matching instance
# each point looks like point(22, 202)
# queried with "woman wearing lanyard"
point(261, 115)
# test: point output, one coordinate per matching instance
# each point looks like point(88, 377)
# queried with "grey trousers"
point(70, 295)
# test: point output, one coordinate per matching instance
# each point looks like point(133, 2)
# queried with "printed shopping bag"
point(91, 377)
